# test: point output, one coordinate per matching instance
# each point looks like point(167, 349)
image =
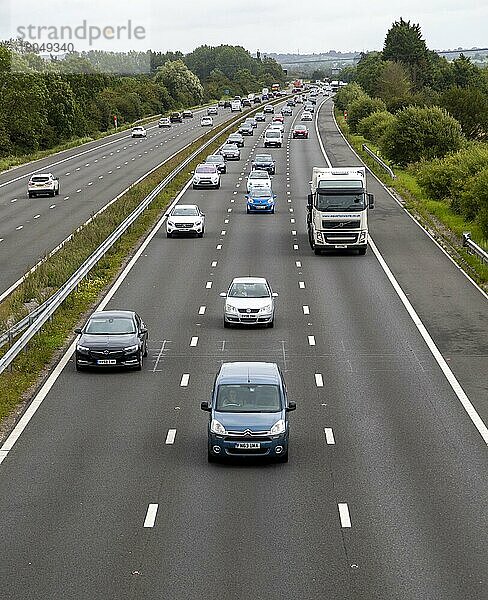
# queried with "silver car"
point(230, 152)
point(249, 301)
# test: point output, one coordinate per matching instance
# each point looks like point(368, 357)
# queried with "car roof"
point(249, 372)
point(249, 280)
point(185, 206)
point(42, 175)
point(128, 314)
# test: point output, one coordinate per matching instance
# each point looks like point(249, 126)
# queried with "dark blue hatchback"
point(248, 412)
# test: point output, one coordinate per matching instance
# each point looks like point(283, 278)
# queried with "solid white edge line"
point(344, 514)
point(37, 401)
point(319, 380)
point(170, 438)
point(152, 511)
point(329, 436)
point(449, 375)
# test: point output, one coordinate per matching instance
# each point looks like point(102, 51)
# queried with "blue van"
point(248, 412)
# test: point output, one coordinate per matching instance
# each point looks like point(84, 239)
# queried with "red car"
point(279, 118)
point(300, 131)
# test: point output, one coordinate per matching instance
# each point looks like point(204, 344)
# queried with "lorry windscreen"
point(334, 202)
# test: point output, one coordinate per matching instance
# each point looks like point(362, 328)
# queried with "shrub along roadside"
point(436, 215)
point(23, 378)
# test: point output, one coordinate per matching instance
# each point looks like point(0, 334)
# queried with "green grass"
point(18, 383)
point(436, 215)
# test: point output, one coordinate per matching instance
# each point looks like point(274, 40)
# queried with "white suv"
point(273, 137)
point(185, 218)
point(139, 132)
point(42, 184)
point(205, 176)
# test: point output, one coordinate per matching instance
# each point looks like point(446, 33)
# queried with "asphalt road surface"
point(107, 494)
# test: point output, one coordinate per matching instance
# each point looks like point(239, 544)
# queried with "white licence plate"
point(340, 246)
point(107, 362)
point(248, 445)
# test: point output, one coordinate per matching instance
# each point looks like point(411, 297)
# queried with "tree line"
point(425, 114)
point(45, 103)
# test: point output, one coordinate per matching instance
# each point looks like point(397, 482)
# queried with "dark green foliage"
point(361, 108)
point(421, 134)
point(374, 126)
point(346, 95)
point(368, 71)
point(470, 107)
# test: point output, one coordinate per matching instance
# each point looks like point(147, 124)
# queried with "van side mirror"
point(292, 405)
point(310, 199)
point(275, 294)
point(205, 406)
point(371, 200)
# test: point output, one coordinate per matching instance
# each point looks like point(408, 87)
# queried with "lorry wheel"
point(30, 194)
point(317, 251)
point(362, 251)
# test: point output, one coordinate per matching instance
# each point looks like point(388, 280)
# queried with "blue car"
point(248, 413)
point(260, 200)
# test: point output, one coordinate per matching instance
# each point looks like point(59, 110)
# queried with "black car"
point(112, 338)
point(227, 104)
point(264, 162)
point(246, 102)
point(257, 100)
point(187, 114)
point(176, 117)
point(246, 129)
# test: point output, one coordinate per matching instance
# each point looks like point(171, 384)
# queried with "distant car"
point(236, 138)
point(308, 108)
point(227, 104)
point(246, 102)
point(277, 125)
point(306, 116)
point(176, 117)
point(217, 160)
point(246, 129)
point(249, 301)
point(300, 131)
point(230, 152)
point(264, 162)
point(235, 106)
point(260, 200)
point(260, 116)
point(252, 121)
point(279, 118)
point(213, 110)
point(248, 413)
point(287, 111)
point(268, 109)
point(258, 178)
point(206, 122)
point(43, 184)
point(257, 100)
point(206, 176)
point(290, 102)
point(187, 114)
point(164, 122)
point(185, 218)
point(139, 132)
point(298, 100)
point(112, 338)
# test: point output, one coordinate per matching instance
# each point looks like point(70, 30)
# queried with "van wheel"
point(168, 234)
point(226, 324)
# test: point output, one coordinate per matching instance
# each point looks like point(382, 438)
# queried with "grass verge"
point(436, 216)
point(19, 383)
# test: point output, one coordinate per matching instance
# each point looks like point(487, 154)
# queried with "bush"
point(374, 126)
point(361, 108)
point(474, 200)
point(421, 134)
point(346, 95)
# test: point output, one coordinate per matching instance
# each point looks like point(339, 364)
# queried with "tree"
point(346, 95)
point(404, 44)
point(393, 84)
point(368, 71)
point(465, 74)
point(183, 85)
point(374, 126)
point(361, 108)
point(470, 107)
point(421, 134)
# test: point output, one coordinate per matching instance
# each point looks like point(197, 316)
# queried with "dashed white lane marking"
point(78, 191)
point(66, 198)
point(329, 437)
point(52, 206)
point(319, 381)
point(226, 221)
point(36, 216)
point(208, 285)
point(229, 210)
point(344, 514)
point(295, 246)
point(293, 232)
point(110, 172)
point(152, 511)
point(118, 167)
point(194, 341)
point(170, 438)
point(90, 183)
point(66, 174)
point(292, 220)
point(298, 263)
point(185, 378)
point(219, 246)
point(311, 340)
point(301, 285)
point(291, 210)
point(100, 177)
point(306, 309)
point(222, 232)
point(19, 227)
point(201, 310)
point(14, 200)
point(232, 200)
point(214, 263)
point(1, 239)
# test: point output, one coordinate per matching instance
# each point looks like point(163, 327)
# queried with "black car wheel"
point(140, 361)
point(226, 324)
point(145, 349)
point(283, 458)
point(211, 458)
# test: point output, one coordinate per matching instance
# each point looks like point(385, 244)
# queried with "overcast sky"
point(268, 25)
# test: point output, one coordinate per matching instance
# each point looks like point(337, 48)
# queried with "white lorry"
point(337, 211)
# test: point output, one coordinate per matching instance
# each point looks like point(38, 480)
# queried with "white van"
point(273, 137)
point(235, 106)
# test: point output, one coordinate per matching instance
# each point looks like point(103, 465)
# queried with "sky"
point(283, 26)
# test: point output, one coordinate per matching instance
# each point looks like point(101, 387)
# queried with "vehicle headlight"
point(250, 201)
point(217, 427)
point(278, 427)
point(362, 236)
point(82, 348)
point(133, 348)
point(266, 309)
point(320, 237)
point(230, 309)
point(197, 223)
point(171, 224)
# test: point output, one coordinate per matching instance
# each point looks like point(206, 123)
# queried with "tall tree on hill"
point(404, 44)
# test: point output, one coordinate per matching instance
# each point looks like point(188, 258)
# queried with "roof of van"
point(249, 372)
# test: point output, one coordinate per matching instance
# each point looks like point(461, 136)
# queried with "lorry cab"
point(337, 212)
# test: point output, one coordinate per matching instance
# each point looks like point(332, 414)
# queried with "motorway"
point(107, 494)
point(90, 177)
